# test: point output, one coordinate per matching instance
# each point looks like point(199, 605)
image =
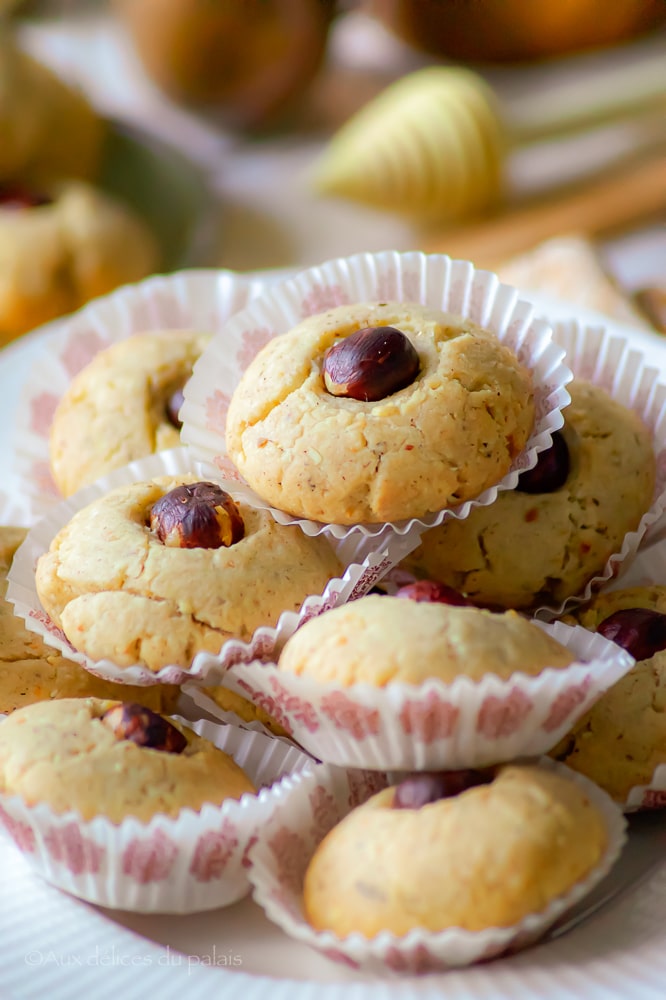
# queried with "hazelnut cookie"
point(32, 671)
point(122, 406)
point(621, 740)
point(378, 639)
point(430, 853)
point(154, 572)
point(61, 245)
point(49, 129)
point(114, 759)
point(379, 412)
point(544, 540)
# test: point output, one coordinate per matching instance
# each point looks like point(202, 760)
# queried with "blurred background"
point(527, 137)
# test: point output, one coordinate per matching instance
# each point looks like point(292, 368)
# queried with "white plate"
point(57, 947)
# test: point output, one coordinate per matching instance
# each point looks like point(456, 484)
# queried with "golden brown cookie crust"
point(443, 439)
point(526, 549)
point(119, 593)
point(61, 753)
point(621, 740)
point(485, 858)
point(379, 639)
point(32, 671)
point(115, 409)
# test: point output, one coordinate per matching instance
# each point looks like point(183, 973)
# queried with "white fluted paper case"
point(433, 280)
point(199, 300)
point(303, 817)
point(436, 725)
point(193, 862)
point(205, 667)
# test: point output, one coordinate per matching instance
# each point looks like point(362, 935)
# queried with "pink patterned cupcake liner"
point(434, 280)
point(437, 725)
point(304, 816)
point(357, 578)
point(201, 300)
point(195, 861)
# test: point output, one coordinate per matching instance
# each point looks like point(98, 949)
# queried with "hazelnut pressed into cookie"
point(379, 412)
point(112, 759)
point(154, 572)
point(482, 857)
point(545, 539)
point(122, 406)
point(621, 740)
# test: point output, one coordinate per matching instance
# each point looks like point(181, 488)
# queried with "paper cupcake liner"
point(306, 813)
point(612, 363)
point(433, 280)
point(205, 667)
point(201, 300)
point(196, 861)
point(437, 725)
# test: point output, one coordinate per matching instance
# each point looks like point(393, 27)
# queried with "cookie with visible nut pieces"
point(122, 406)
point(437, 411)
point(543, 541)
point(483, 857)
point(112, 759)
point(120, 593)
point(621, 740)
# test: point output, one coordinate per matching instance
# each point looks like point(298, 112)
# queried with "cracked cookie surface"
point(120, 594)
point(439, 441)
point(32, 671)
point(116, 408)
point(526, 548)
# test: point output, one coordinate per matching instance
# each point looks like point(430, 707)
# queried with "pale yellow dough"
point(378, 639)
point(32, 671)
point(485, 858)
point(119, 593)
point(61, 753)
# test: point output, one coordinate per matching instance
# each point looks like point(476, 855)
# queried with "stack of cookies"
point(394, 422)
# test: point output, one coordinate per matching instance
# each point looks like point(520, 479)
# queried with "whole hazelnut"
point(551, 470)
point(140, 725)
point(197, 516)
point(641, 631)
point(370, 364)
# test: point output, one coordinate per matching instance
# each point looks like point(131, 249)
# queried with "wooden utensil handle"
point(611, 203)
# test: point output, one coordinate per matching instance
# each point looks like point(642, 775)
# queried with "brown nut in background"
point(140, 725)
point(197, 516)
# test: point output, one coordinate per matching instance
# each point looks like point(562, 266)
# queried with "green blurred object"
point(166, 189)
